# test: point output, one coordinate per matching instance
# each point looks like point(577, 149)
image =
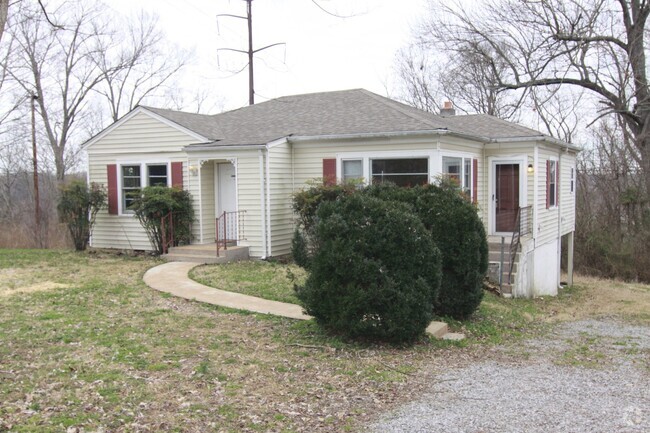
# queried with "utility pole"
point(37, 201)
point(250, 52)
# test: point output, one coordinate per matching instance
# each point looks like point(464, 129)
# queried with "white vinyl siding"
point(281, 188)
point(140, 138)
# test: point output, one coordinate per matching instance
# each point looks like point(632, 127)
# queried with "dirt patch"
point(38, 287)
point(595, 297)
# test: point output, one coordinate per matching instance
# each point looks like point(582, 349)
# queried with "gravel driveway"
point(587, 376)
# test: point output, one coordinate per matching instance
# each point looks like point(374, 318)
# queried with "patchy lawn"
point(84, 343)
point(268, 280)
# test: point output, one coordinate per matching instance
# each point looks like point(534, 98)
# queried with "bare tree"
point(427, 76)
point(418, 79)
point(596, 45)
point(137, 65)
point(58, 66)
point(89, 54)
point(4, 12)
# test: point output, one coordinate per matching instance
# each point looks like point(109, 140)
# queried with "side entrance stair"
point(498, 271)
point(206, 253)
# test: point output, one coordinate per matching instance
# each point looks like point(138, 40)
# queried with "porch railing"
point(167, 230)
point(229, 229)
point(522, 227)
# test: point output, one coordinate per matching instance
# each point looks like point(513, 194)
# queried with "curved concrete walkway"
point(172, 278)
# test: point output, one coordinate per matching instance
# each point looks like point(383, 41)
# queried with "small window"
point(459, 170)
point(573, 179)
point(352, 169)
point(157, 175)
point(551, 182)
point(402, 172)
point(452, 168)
point(131, 183)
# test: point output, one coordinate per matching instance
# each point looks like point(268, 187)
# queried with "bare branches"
point(135, 70)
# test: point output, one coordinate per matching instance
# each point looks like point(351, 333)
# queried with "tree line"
point(84, 65)
point(574, 69)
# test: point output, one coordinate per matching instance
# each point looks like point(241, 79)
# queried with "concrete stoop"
point(206, 253)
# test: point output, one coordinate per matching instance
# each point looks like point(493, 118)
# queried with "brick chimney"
point(448, 109)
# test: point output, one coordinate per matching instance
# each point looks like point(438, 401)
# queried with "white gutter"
point(269, 243)
point(196, 149)
point(302, 138)
point(538, 138)
point(262, 204)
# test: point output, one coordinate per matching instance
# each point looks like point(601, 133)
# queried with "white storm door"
point(227, 186)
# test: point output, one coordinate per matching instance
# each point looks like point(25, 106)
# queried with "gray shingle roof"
point(344, 112)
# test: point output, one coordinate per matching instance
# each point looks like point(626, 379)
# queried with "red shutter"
point(329, 172)
point(475, 181)
point(177, 175)
point(548, 184)
point(111, 174)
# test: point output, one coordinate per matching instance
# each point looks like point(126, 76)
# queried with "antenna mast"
point(250, 52)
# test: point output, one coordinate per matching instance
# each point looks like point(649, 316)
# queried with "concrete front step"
point(206, 253)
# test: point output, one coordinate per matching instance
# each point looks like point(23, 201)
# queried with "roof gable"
point(149, 112)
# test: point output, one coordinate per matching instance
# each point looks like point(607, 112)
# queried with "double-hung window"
point(138, 176)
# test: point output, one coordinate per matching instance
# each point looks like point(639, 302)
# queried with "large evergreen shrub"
point(305, 206)
point(78, 206)
point(460, 235)
point(376, 272)
point(154, 202)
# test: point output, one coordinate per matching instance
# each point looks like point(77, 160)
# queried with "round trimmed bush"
point(458, 232)
point(376, 272)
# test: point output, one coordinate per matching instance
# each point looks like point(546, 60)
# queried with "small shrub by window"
point(375, 273)
point(78, 207)
point(154, 202)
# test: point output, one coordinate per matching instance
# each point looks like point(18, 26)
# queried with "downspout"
point(269, 243)
point(559, 218)
point(262, 204)
point(535, 193)
point(200, 202)
point(531, 290)
point(90, 238)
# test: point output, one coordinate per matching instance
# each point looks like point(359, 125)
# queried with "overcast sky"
point(322, 52)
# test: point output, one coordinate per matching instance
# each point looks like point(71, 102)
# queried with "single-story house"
point(250, 161)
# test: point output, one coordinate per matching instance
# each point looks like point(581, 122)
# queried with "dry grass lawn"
point(84, 344)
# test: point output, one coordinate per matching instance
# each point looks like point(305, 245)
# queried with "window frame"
point(372, 173)
point(352, 179)
point(552, 180)
point(366, 158)
point(466, 159)
point(144, 179)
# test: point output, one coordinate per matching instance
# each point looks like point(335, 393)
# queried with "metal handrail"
point(521, 227)
point(229, 228)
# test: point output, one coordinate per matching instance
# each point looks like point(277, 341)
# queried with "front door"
point(227, 184)
point(227, 200)
point(506, 196)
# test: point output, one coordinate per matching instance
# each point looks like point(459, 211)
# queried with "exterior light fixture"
point(531, 170)
point(194, 170)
